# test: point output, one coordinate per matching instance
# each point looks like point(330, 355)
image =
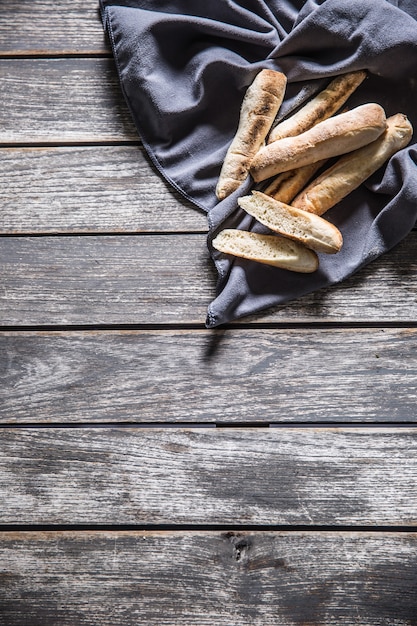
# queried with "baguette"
point(306, 228)
point(323, 106)
point(267, 249)
point(332, 137)
point(259, 108)
point(353, 169)
point(287, 185)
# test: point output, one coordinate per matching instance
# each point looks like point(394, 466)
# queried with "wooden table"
point(151, 471)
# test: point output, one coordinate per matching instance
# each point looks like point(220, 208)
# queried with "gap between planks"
point(332, 425)
point(49, 329)
point(195, 529)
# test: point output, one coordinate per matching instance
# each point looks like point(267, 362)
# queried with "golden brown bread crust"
point(287, 185)
point(337, 135)
point(353, 169)
point(259, 108)
point(321, 107)
point(267, 249)
point(306, 228)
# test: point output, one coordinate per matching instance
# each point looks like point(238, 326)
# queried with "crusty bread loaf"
point(353, 169)
point(267, 249)
point(259, 108)
point(319, 108)
point(287, 185)
point(332, 137)
point(306, 228)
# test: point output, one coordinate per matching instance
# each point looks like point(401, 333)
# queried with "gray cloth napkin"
point(184, 67)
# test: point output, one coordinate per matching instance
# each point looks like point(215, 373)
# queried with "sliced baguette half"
point(267, 249)
point(306, 228)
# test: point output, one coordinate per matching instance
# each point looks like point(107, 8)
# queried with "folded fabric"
point(184, 67)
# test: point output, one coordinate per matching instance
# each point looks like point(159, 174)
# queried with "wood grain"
point(246, 375)
point(98, 279)
point(353, 476)
point(165, 279)
point(62, 100)
point(89, 189)
point(208, 579)
point(41, 27)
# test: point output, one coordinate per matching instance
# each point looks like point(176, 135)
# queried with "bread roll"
point(259, 108)
point(306, 228)
point(353, 169)
point(319, 108)
point(267, 249)
point(337, 135)
point(287, 185)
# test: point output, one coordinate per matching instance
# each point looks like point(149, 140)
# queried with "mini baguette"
point(259, 108)
point(306, 228)
point(332, 137)
point(319, 108)
point(267, 249)
point(353, 169)
point(287, 185)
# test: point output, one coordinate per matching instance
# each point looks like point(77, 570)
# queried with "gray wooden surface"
point(151, 471)
point(95, 189)
point(50, 28)
point(234, 476)
point(62, 101)
point(214, 578)
point(277, 375)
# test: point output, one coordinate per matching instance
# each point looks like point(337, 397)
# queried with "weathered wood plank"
point(160, 279)
point(255, 375)
point(212, 579)
point(103, 279)
point(62, 101)
point(356, 476)
point(87, 189)
point(42, 27)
